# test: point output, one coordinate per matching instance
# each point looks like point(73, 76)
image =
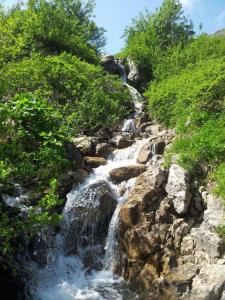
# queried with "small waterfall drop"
point(81, 241)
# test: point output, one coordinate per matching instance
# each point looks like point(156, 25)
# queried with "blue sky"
point(115, 15)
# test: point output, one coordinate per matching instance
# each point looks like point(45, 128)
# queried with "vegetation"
point(151, 36)
point(187, 86)
point(51, 89)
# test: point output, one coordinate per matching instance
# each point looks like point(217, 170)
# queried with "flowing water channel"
point(65, 276)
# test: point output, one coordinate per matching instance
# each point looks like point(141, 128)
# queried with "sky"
point(115, 15)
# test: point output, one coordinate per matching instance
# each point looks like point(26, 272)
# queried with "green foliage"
point(49, 92)
point(152, 35)
point(50, 27)
point(189, 94)
point(87, 97)
point(15, 227)
point(219, 177)
point(221, 232)
point(199, 50)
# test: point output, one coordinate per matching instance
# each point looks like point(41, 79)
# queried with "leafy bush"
point(199, 50)
point(152, 35)
point(189, 95)
point(190, 98)
point(50, 27)
point(89, 97)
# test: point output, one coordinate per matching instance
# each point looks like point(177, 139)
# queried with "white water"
point(65, 278)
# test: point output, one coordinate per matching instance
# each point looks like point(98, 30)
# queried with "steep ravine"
point(131, 229)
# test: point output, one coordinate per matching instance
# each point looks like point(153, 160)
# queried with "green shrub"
point(88, 97)
point(178, 58)
point(219, 177)
point(50, 27)
point(151, 35)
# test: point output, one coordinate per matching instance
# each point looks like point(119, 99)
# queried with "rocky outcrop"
point(69, 179)
point(125, 173)
point(113, 66)
point(167, 240)
point(134, 76)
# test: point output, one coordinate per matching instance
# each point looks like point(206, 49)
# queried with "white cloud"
point(220, 19)
point(190, 4)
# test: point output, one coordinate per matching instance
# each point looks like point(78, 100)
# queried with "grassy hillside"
point(186, 89)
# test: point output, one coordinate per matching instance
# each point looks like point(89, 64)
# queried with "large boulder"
point(125, 173)
point(94, 162)
point(145, 153)
point(122, 141)
point(178, 188)
point(87, 213)
point(113, 66)
point(134, 77)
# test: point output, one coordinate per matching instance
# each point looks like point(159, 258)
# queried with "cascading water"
point(82, 258)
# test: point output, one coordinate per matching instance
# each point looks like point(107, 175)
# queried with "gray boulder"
point(178, 188)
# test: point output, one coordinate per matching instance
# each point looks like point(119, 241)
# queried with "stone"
point(94, 162)
point(85, 144)
point(113, 66)
point(158, 147)
point(154, 128)
point(209, 284)
point(145, 125)
point(41, 247)
point(125, 173)
point(140, 243)
point(145, 153)
point(122, 141)
point(103, 150)
point(87, 214)
point(69, 179)
point(134, 77)
point(187, 245)
point(178, 188)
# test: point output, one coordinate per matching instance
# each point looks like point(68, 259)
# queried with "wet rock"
point(112, 65)
point(103, 150)
point(88, 213)
point(94, 162)
point(158, 146)
point(85, 144)
point(125, 173)
point(178, 188)
point(69, 179)
point(144, 118)
point(41, 248)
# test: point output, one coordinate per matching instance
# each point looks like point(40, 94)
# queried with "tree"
point(51, 27)
point(151, 35)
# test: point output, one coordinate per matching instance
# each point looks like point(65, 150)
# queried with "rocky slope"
point(167, 240)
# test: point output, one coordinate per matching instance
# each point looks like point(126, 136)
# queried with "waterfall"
point(81, 241)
